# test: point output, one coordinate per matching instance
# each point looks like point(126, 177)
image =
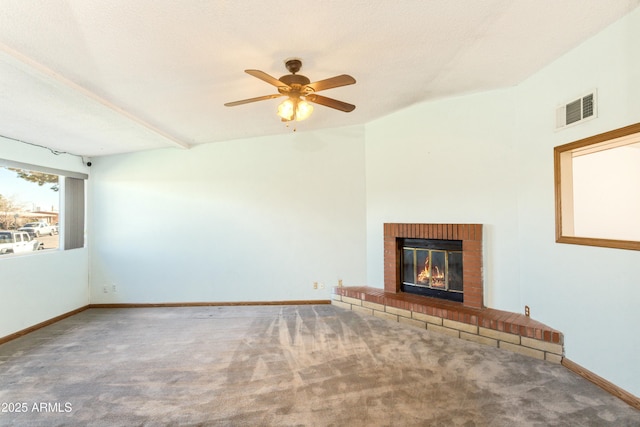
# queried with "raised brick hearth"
point(503, 329)
point(469, 234)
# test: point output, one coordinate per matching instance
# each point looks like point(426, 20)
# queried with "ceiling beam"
point(28, 65)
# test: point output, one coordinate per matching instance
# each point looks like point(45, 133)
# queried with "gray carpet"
point(281, 366)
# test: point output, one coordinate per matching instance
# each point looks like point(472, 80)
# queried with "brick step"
point(503, 329)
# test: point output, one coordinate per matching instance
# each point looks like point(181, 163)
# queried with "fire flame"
point(424, 275)
point(437, 278)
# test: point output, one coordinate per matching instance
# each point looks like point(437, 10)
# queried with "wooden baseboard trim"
point(41, 325)
point(181, 304)
point(208, 304)
point(602, 383)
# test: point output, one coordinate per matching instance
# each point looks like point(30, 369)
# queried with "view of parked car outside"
point(29, 210)
point(15, 242)
point(37, 229)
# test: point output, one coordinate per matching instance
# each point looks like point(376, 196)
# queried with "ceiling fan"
point(300, 92)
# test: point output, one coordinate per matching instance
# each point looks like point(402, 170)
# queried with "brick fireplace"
point(468, 320)
point(469, 234)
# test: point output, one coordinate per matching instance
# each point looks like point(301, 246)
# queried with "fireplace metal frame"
point(431, 246)
point(472, 258)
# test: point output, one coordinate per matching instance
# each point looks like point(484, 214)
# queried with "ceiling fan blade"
point(329, 102)
point(246, 101)
point(337, 81)
point(266, 78)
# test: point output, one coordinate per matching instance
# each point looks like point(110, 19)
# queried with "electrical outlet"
point(114, 288)
point(339, 283)
point(105, 289)
point(315, 285)
point(321, 285)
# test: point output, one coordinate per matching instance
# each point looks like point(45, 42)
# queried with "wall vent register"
point(576, 111)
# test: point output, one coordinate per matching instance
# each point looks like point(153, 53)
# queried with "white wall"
point(497, 149)
point(591, 294)
point(35, 288)
point(244, 220)
point(448, 161)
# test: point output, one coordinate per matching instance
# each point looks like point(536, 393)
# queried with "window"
point(597, 188)
point(41, 204)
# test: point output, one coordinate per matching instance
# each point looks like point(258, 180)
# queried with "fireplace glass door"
point(432, 267)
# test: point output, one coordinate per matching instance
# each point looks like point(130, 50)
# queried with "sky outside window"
point(29, 195)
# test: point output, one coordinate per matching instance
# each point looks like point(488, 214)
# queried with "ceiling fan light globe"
point(304, 110)
point(285, 110)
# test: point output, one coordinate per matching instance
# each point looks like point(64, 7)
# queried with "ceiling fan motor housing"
point(295, 80)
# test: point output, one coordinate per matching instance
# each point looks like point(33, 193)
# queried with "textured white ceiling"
point(96, 77)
